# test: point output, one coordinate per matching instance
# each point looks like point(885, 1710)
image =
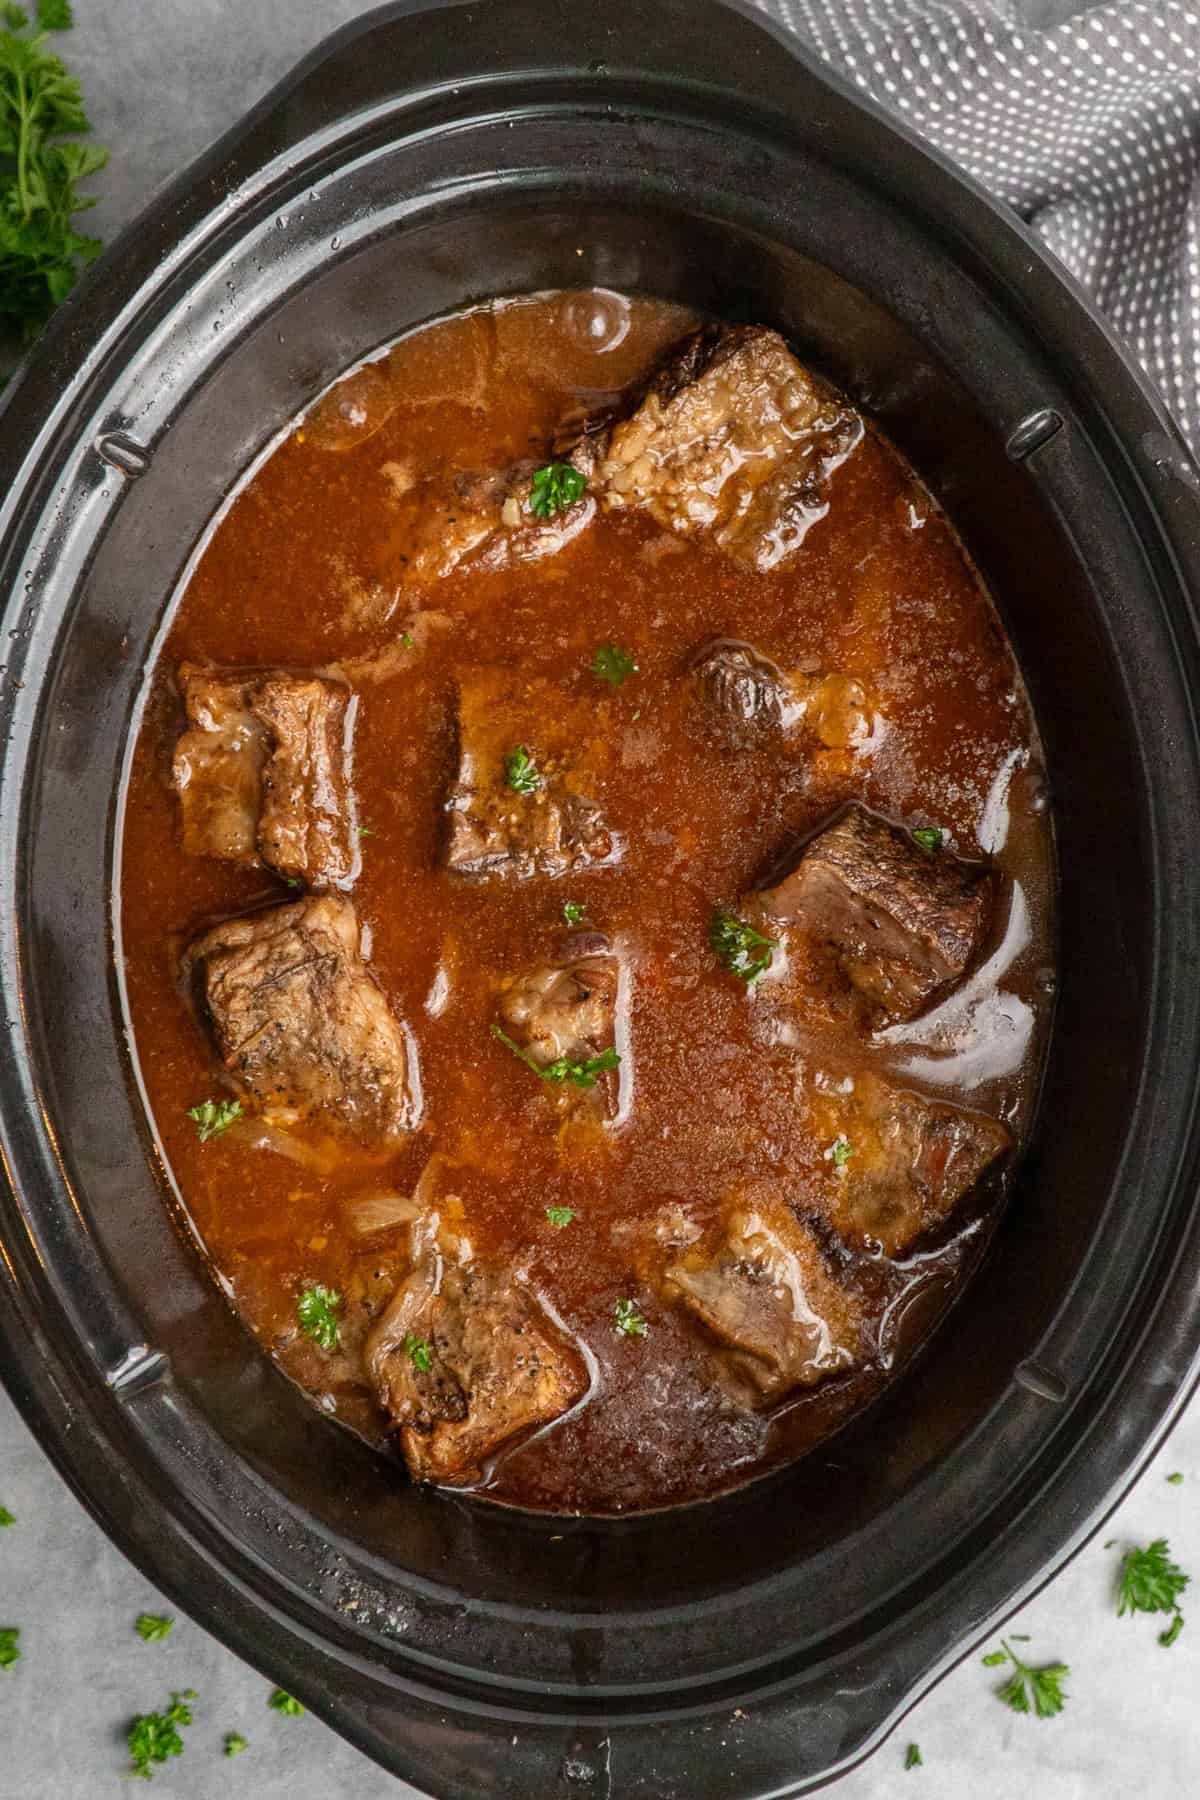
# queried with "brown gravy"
point(305, 569)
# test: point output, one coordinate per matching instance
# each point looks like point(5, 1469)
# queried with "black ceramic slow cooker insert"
point(752, 1646)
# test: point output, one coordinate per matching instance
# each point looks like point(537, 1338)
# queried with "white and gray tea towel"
point(1089, 128)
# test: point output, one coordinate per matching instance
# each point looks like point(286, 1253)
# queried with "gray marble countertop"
point(161, 82)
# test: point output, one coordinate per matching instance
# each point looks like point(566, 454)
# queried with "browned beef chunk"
point(896, 1164)
point(262, 772)
point(566, 1008)
point(733, 440)
point(553, 827)
point(466, 1358)
point(902, 923)
point(761, 1287)
point(485, 517)
point(741, 689)
point(299, 1021)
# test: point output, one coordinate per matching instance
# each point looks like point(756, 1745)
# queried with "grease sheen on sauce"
point(306, 569)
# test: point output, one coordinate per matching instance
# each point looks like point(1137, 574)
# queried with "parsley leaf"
point(628, 1320)
point(316, 1310)
point(285, 1704)
point(560, 1216)
point(611, 664)
point(1167, 1638)
point(406, 638)
point(733, 943)
point(840, 1151)
point(153, 1627)
point(1042, 1685)
point(581, 1073)
point(520, 771)
point(554, 488)
point(418, 1353)
point(214, 1116)
point(1176, 1480)
point(912, 1757)
point(1150, 1581)
point(7, 1518)
point(365, 831)
point(927, 838)
point(573, 911)
point(235, 1743)
point(9, 1653)
point(994, 1659)
point(41, 253)
point(153, 1737)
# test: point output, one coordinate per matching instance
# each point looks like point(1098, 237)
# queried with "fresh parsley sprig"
point(628, 1320)
point(520, 771)
point(316, 1310)
point(581, 1073)
point(741, 949)
point(1042, 1686)
point(41, 167)
point(153, 1737)
point(613, 665)
point(212, 1117)
point(153, 1627)
point(9, 1650)
point(1150, 1582)
point(554, 488)
point(286, 1704)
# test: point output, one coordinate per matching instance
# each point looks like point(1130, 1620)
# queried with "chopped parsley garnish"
point(1150, 1581)
point(581, 1073)
point(560, 1216)
point(418, 1353)
point(1167, 1638)
point(611, 664)
point(235, 1743)
point(573, 911)
point(406, 638)
point(628, 1320)
point(840, 1151)
point(554, 488)
point(9, 1653)
point(7, 1518)
point(927, 838)
point(1176, 1480)
point(153, 1737)
point(41, 112)
point(743, 951)
point(520, 771)
point(285, 1704)
point(316, 1310)
point(292, 881)
point(365, 831)
point(153, 1627)
point(213, 1117)
point(912, 1757)
point(1043, 1685)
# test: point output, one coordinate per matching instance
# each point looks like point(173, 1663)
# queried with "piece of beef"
point(744, 698)
point(465, 1358)
point(762, 1288)
point(741, 689)
point(733, 440)
point(299, 1021)
point(896, 1164)
point(902, 922)
point(568, 1009)
point(565, 1008)
point(263, 772)
point(554, 828)
point(484, 517)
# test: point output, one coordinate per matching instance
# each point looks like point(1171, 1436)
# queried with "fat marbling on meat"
point(263, 772)
point(300, 1022)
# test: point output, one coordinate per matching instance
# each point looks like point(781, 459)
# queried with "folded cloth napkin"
point(1089, 128)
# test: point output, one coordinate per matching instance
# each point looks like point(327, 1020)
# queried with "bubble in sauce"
point(353, 411)
point(597, 319)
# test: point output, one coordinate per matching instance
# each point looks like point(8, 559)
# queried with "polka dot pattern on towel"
point(1089, 129)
